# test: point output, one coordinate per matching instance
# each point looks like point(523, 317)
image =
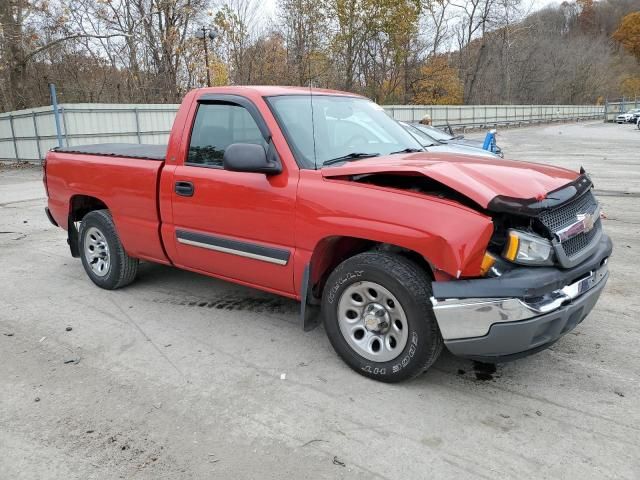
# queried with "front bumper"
point(521, 312)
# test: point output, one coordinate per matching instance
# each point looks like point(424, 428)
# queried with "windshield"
point(343, 128)
point(424, 139)
point(433, 132)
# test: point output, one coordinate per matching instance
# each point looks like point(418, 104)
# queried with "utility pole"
point(206, 33)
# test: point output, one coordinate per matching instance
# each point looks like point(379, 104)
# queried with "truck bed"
point(125, 150)
point(123, 177)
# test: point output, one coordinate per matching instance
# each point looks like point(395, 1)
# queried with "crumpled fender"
point(450, 236)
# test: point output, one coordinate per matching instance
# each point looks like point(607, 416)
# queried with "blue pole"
point(56, 112)
point(489, 141)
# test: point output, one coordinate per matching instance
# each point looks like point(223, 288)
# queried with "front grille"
point(566, 215)
point(577, 244)
point(561, 217)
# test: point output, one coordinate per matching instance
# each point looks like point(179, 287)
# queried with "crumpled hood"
point(480, 179)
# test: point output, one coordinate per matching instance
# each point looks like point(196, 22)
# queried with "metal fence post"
point(13, 137)
point(64, 124)
point(35, 132)
point(135, 111)
point(56, 112)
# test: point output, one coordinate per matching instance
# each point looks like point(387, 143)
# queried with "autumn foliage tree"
point(439, 83)
point(630, 87)
point(628, 34)
point(392, 51)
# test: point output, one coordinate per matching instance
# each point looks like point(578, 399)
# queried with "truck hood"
point(478, 178)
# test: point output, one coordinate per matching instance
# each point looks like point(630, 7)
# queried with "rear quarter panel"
point(128, 187)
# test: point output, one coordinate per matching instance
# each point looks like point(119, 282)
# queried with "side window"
point(217, 126)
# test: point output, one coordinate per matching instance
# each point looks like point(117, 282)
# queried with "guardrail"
point(27, 135)
point(485, 116)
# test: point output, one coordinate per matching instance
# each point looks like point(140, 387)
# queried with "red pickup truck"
point(321, 197)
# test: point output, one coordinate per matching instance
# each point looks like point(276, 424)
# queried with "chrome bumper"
point(473, 317)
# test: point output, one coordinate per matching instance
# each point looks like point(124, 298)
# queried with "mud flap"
point(309, 312)
point(72, 237)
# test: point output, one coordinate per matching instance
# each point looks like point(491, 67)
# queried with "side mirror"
point(249, 157)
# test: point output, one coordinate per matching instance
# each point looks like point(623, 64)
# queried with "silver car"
point(432, 144)
point(627, 116)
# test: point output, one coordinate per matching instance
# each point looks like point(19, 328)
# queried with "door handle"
point(184, 189)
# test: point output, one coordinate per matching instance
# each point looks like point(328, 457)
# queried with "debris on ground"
point(283, 376)
point(68, 329)
point(73, 360)
point(539, 413)
point(42, 339)
point(338, 462)
point(37, 399)
point(9, 334)
point(484, 371)
point(620, 394)
point(313, 441)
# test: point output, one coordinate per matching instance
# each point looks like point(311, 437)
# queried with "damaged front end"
point(551, 267)
point(545, 264)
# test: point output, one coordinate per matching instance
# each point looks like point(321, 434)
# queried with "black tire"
point(410, 284)
point(122, 269)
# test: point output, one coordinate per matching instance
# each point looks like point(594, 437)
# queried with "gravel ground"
point(179, 375)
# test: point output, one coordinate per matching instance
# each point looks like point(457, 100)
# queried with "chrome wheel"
point(96, 252)
point(372, 321)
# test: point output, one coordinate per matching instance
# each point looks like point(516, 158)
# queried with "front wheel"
point(378, 316)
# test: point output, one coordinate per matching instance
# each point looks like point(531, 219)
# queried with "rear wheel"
point(103, 256)
point(378, 316)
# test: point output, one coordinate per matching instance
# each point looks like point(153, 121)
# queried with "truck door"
point(234, 225)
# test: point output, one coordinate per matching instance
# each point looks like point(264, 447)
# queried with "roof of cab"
point(272, 90)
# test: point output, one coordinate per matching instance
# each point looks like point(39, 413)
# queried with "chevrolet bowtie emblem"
point(587, 220)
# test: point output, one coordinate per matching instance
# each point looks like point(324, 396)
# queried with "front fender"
point(451, 237)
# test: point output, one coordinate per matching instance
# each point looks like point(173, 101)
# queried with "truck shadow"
point(171, 286)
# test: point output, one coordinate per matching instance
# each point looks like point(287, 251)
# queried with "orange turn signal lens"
point(488, 261)
point(512, 247)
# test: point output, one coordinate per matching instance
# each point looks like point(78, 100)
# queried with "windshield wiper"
point(350, 156)
point(410, 150)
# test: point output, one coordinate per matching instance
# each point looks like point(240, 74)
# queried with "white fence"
point(29, 134)
point(490, 115)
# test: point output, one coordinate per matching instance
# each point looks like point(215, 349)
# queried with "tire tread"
point(417, 283)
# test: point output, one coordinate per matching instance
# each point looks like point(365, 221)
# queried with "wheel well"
point(332, 251)
point(80, 205)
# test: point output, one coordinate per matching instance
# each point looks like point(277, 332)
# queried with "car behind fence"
point(28, 134)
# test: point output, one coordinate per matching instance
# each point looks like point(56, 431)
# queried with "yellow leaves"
point(439, 84)
point(630, 86)
point(219, 74)
point(628, 34)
